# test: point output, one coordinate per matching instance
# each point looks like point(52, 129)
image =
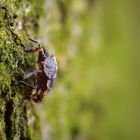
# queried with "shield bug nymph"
point(45, 76)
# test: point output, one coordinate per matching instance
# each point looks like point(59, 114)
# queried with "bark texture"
point(18, 19)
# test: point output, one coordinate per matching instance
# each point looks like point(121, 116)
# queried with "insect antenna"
point(33, 40)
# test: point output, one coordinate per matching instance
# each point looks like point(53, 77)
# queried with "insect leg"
point(31, 49)
point(26, 84)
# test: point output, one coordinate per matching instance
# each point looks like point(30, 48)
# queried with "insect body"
point(45, 76)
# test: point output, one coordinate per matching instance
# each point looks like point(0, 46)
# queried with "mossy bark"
point(17, 19)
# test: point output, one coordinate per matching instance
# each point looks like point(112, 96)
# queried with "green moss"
point(13, 63)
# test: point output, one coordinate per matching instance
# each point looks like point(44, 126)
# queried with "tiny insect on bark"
point(45, 76)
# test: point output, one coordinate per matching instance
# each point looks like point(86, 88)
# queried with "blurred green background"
point(96, 95)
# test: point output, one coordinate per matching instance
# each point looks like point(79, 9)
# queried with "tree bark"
point(17, 19)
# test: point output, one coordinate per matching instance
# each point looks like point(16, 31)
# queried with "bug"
point(44, 77)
